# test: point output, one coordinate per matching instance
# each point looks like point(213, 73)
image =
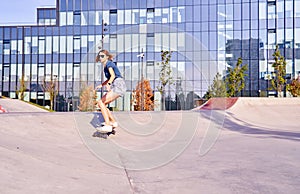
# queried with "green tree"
point(165, 75)
point(236, 78)
point(217, 89)
point(278, 80)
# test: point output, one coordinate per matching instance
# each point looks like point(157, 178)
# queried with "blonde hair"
point(110, 56)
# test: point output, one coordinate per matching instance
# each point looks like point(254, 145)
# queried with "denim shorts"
point(118, 86)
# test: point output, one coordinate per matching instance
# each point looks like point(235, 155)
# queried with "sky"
point(15, 12)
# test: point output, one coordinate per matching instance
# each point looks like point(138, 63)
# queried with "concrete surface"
point(14, 105)
point(253, 147)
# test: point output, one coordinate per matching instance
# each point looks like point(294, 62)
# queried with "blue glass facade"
point(206, 36)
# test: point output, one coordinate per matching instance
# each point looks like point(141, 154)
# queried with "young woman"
point(115, 86)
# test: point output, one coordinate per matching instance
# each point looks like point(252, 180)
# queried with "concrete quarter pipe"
point(257, 150)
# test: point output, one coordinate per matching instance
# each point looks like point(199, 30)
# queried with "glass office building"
point(206, 37)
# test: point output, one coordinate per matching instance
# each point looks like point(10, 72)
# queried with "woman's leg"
point(106, 99)
point(104, 111)
point(111, 118)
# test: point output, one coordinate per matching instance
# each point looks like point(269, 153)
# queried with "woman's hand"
point(108, 87)
point(99, 87)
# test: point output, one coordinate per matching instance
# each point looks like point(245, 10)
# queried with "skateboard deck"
point(104, 135)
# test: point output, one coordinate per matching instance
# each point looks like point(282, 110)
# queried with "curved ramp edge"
point(218, 104)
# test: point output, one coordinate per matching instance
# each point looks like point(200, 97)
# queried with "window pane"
point(34, 45)
point(135, 16)
point(221, 13)
point(70, 18)
point(13, 47)
point(55, 44)
point(158, 15)
point(127, 42)
point(157, 42)
point(92, 17)
point(246, 11)
point(62, 44)
point(150, 16)
point(62, 5)
point(99, 17)
point(143, 41)
point(120, 43)
point(290, 9)
point(212, 13)
point(77, 19)
point(70, 5)
point(204, 14)
point(42, 46)
point(143, 17)
point(262, 10)
point(113, 18)
point(229, 11)
point(197, 13)
point(63, 19)
point(135, 43)
point(48, 45)
point(84, 4)
point(20, 47)
point(173, 44)
point(92, 5)
point(127, 16)
point(165, 15)
point(27, 45)
point(77, 45)
point(84, 44)
point(271, 11)
point(113, 44)
point(77, 5)
point(150, 44)
point(280, 9)
point(120, 16)
point(165, 40)
point(69, 44)
point(181, 14)
point(297, 11)
point(84, 18)
point(106, 17)
point(121, 4)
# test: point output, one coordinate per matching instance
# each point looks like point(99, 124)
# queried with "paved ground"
point(13, 105)
point(253, 147)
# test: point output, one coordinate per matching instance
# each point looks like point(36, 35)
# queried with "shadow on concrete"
point(96, 123)
point(232, 123)
point(97, 119)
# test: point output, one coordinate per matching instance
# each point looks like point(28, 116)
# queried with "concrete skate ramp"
point(279, 113)
point(14, 105)
point(256, 149)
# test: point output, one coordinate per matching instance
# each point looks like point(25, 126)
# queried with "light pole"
point(104, 24)
point(142, 79)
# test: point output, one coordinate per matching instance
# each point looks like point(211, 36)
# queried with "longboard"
point(104, 135)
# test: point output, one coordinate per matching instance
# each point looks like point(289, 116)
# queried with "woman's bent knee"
point(100, 103)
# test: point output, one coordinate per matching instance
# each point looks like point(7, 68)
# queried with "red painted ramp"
point(218, 104)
